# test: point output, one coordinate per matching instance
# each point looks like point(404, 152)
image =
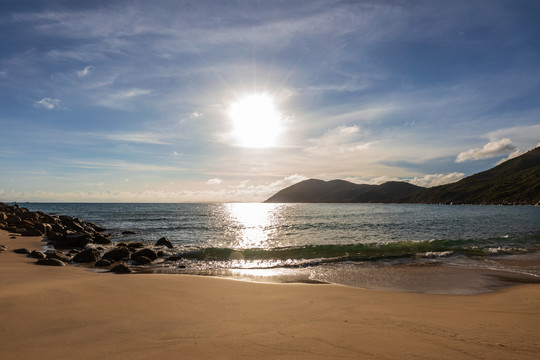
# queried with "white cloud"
point(491, 149)
point(84, 72)
point(48, 103)
point(214, 181)
point(437, 179)
point(197, 114)
point(296, 178)
point(511, 156)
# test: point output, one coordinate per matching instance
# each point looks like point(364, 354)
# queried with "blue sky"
point(130, 100)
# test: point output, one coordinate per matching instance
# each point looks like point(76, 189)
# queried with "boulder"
point(128, 232)
point(102, 240)
point(29, 215)
point(102, 263)
point(32, 232)
point(149, 253)
point(22, 251)
point(86, 256)
point(13, 219)
point(117, 254)
point(3, 216)
point(143, 260)
point(121, 269)
point(3, 248)
point(52, 254)
point(50, 262)
point(164, 242)
point(37, 255)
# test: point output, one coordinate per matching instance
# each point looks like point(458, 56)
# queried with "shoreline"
point(59, 312)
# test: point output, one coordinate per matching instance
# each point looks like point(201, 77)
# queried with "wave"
point(318, 254)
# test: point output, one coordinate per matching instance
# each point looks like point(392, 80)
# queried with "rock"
point(102, 240)
point(50, 262)
point(29, 215)
point(102, 263)
point(149, 253)
point(142, 260)
point(52, 254)
point(164, 242)
point(22, 251)
point(37, 255)
point(121, 269)
point(3, 248)
point(128, 232)
point(54, 235)
point(3, 216)
point(32, 232)
point(135, 245)
point(121, 244)
point(174, 258)
point(13, 219)
point(86, 256)
point(120, 253)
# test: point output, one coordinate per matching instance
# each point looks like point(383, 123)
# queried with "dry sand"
point(70, 312)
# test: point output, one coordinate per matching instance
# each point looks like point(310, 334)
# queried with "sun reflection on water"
point(254, 223)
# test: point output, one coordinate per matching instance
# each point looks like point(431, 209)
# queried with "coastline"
point(61, 312)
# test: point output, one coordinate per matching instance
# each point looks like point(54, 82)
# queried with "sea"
point(455, 249)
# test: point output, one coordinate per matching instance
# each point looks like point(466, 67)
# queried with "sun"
point(256, 121)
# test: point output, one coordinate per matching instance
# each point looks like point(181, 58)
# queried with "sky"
point(139, 101)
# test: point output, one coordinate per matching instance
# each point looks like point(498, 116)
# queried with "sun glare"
point(256, 121)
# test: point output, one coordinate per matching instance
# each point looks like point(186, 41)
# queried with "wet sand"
point(70, 312)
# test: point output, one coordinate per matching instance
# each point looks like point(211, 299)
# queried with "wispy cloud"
point(437, 179)
point(492, 149)
point(84, 72)
point(343, 139)
point(139, 137)
point(48, 103)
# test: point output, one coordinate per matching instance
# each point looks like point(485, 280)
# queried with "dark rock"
point(120, 253)
point(121, 269)
point(160, 253)
point(37, 255)
point(102, 263)
point(135, 245)
point(121, 244)
point(29, 215)
point(13, 219)
point(164, 242)
point(3, 248)
point(142, 260)
point(102, 240)
point(149, 253)
point(86, 256)
point(128, 232)
point(51, 262)
point(174, 258)
point(22, 251)
point(51, 254)
point(53, 235)
point(32, 232)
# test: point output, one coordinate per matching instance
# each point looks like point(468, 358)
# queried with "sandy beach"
point(71, 312)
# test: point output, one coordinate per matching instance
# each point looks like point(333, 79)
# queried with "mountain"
point(515, 181)
point(341, 191)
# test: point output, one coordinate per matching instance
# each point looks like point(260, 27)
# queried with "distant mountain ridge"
point(515, 181)
point(341, 191)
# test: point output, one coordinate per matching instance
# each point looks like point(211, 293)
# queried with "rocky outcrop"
point(64, 232)
point(118, 254)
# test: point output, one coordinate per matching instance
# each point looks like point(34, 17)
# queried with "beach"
point(66, 312)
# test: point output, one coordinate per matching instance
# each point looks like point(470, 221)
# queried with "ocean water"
point(319, 242)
